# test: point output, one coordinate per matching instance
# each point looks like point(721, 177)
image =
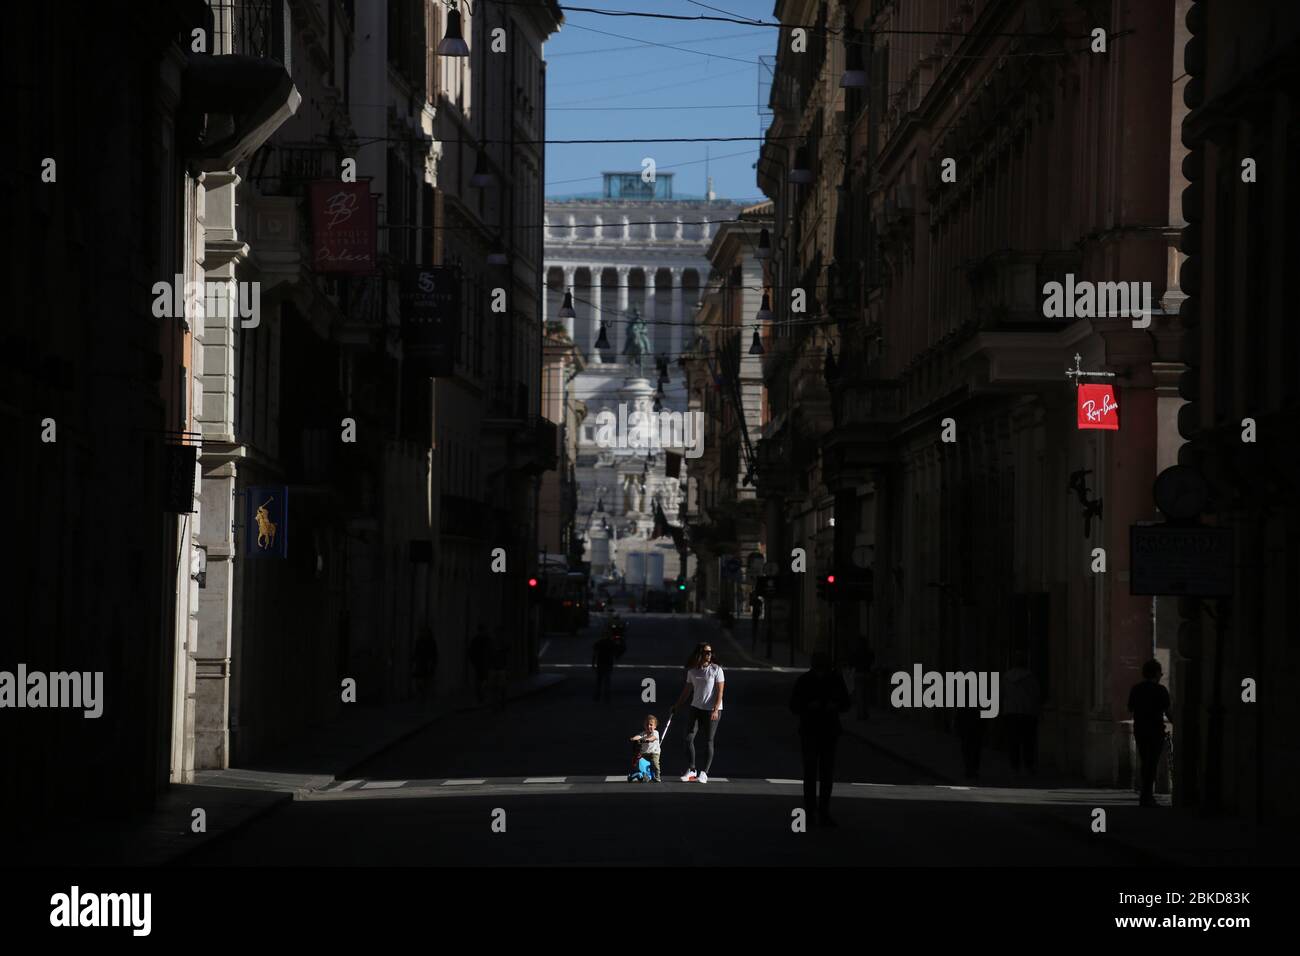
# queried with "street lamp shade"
point(497, 257)
point(764, 250)
point(756, 346)
point(764, 310)
point(800, 174)
point(482, 177)
point(566, 310)
point(453, 43)
point(855, 75)
point(602, 340)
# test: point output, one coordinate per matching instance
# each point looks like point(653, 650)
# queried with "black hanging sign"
point(430, 299)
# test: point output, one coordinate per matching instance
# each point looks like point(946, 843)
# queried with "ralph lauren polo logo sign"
point(268, 522)
point(431, 317)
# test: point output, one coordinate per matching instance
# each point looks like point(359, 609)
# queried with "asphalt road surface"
point(544, 782)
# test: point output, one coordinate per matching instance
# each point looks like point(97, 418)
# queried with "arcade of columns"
point(610, 292)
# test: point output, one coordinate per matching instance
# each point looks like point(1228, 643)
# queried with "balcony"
point(260, 28)
point(1006, 286)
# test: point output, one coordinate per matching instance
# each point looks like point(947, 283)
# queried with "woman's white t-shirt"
point(705, 681)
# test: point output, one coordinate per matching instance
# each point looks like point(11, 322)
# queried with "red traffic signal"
point(532, 582)
point(830, 579)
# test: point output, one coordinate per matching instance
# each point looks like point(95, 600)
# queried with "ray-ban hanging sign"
point(1098, 407)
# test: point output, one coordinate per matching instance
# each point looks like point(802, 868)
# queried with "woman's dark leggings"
point(696, 718)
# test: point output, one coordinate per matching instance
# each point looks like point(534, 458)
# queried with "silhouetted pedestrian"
point(970, 728)
point(499, 664)
point(1021, 700)
point(1149, 703)
point(755, 615)
point(480, 658)
point(864, 658)
point(818, 699)
point(426, 661)
point(603, 654)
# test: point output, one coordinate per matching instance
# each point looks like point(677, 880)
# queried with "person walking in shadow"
point(970, 729)
point(603, 654)
point(498, 668)
point(1149, 702)
point(818, 699)
point(1021, 700)
point(864, 658)
point(480, 658)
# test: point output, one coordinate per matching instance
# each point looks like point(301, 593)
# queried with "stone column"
point(677, 331)
point(624, 296)
point(546, 293)
point(651, 310)
point(568, 287)
point(597, 310)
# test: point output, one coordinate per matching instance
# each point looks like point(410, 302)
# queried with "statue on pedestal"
point(638, 343)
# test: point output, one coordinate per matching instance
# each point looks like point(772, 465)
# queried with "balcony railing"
point(261, 28)
point(279, 170)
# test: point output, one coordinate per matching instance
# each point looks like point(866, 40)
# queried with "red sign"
point(343, 227)
point(1098, 408)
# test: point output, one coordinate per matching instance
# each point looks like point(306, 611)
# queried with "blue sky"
point(600, 85)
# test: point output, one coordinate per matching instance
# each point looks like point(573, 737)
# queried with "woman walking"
point(704, 689)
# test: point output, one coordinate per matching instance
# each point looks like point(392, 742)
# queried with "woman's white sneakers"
point(689, 777)
point(703, 777)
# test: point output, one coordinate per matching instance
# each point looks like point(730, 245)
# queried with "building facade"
point(921, 394)
point(1242, 404)
point(635, 249)
point(725, 382)
point(108, 413)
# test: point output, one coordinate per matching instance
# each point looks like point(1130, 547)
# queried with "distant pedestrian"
point(603, 654)
point(818, 699)
point(755, 615)
point(727, 619)
point(480, 658)
point(1020, 705)
point(426, 661)
point(498, 682)
point(1149, 703)
point(704, 686)
point(864, 658)
point(970, 728)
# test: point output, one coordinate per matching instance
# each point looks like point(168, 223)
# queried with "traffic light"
point(537, 588)
point(847, 583)
point(681, 584)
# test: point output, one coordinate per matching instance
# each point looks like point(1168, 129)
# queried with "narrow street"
point(556, 762)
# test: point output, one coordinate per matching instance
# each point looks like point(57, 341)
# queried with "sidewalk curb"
point(347, 772)
point(287, 796)
point(1150, 857)
point(213, 839)
point(902, 758)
